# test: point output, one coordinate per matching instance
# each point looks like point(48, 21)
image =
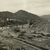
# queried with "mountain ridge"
point(21, 14)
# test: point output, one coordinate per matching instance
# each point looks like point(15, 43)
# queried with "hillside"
point(24, 15)
point(6, 14)
point(47, 17)
point(37, 22)
point(20, 15)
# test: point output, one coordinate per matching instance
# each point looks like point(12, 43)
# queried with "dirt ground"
point(9, 39)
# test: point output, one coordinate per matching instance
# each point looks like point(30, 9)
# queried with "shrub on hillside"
point(16, 29)
point(30, 37)
point(23, 31)
point(22, 34)
point(1, 30)
point(48, 35)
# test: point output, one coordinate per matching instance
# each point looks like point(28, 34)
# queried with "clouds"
point(12, 5)
point(38, 7)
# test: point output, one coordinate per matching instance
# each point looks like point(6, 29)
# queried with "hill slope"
point(6, 14)
point(24, 15)
point(38, 23)
point(21, 15)
point(47, 17)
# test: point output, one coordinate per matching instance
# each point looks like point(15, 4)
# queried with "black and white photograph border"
point(24, 24)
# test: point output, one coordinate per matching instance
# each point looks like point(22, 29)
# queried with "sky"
point(39, 7)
